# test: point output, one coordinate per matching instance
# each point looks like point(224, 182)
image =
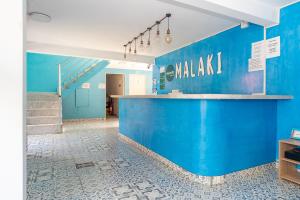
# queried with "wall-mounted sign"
point(256, 64)
point(170, 73)
point(162, 77)
point(261, 50)
point(102, 86)
point(188, 69)
point(258, 57)
point(273, 47)
point(296, 134)
point(85, 86)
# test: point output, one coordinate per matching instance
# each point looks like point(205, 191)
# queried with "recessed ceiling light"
point(40, 17)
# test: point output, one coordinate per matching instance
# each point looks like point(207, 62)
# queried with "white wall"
point(11, 105)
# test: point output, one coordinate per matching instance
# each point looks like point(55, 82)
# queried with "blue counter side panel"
point(205, 137)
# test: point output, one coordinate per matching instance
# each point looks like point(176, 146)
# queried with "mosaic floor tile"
point(122, 172)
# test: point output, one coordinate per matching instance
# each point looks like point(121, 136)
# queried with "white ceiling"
point(277, 3)
point(107, 24)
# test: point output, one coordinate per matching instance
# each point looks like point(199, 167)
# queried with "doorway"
point(115, 85)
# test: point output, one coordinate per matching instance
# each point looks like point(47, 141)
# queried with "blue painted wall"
point(203, 136)
point(235, 45)
point(283, 72)
point(42, 72)
point(42, 75)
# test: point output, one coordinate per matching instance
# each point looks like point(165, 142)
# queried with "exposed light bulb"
point(168, 37)
point(129, 47)
point(148, 42)
point(141, 43)
point(157, 35)
point(135, 45)
point(125, 51)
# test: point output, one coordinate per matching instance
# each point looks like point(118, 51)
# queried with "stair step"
point(42, 97)
point(43, 112)
point(43, 129)
point(43, 104)
point(43, 120)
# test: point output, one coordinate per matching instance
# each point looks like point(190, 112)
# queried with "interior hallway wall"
point(42, 75)
point(97, 96)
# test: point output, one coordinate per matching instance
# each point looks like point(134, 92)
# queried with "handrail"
point(81, 73)
point(59, 81)
point(76, 69)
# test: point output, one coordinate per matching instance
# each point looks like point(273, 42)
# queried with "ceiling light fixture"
point(157, 31)
point(148, 42)
point(135, 45)
point(125, 51)
point(129, 46)
point(168, 38)
point(40, 17)
point(142, 42)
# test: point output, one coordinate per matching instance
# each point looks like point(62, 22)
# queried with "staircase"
point(43, 113)
point(84, 73)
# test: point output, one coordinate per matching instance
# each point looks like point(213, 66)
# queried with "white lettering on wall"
point(192, 71)
point(219, 63)
point(178, 70)
point(186, 70)
point(201, 67)
point(189, 71)
point(209, 66)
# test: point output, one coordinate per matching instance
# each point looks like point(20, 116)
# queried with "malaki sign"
point(189, 70)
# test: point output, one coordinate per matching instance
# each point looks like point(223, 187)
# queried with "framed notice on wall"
point(295, 134)
point(162, 78)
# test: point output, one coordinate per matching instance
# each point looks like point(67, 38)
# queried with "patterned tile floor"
point(122, 172)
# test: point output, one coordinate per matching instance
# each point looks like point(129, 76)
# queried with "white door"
point(137, 84)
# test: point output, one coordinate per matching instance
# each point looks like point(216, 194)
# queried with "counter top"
point(205, 96)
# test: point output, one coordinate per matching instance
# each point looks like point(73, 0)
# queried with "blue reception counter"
point(207, 135)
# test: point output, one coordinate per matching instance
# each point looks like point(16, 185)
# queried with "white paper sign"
point(102, 86)
point(258, 59)
point(86, 86)
point(258, 50)
point(256, 64)
point(273, 47)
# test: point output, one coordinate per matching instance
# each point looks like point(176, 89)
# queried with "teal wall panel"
point(42, 72)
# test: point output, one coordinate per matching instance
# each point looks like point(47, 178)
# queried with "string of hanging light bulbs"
point(168, 38)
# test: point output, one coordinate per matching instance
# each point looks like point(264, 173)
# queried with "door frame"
point(123, 91)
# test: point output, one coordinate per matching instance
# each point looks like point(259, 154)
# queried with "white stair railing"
point(59, 81)
point(79, 74)
point(59, 92)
